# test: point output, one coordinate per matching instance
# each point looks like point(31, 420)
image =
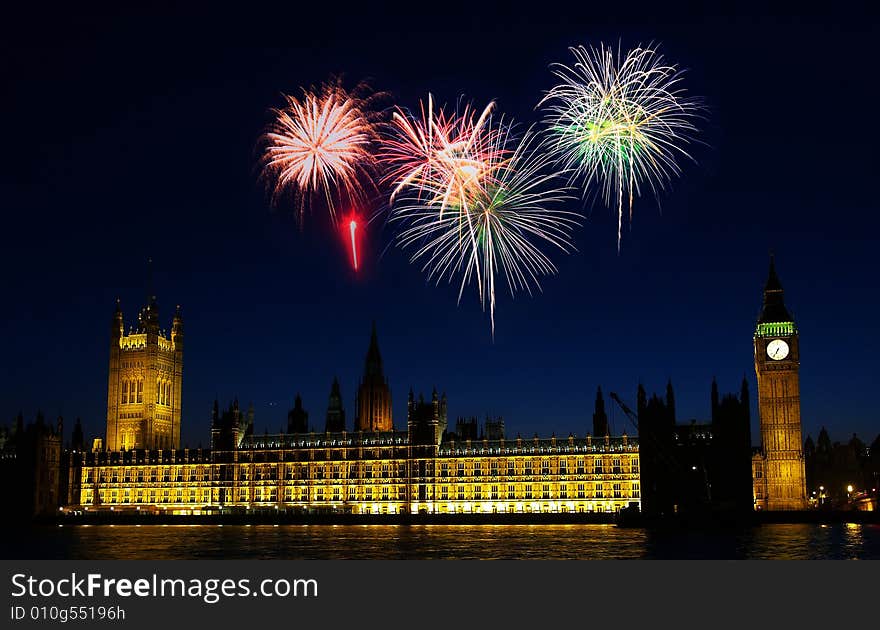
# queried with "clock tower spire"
point(782, 484)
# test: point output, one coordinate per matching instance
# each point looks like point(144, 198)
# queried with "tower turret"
point(297, 418)
point(145, 382)
point(600, 418)
point(335, 420)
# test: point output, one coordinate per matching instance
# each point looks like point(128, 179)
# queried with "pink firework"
point(320, 145)
point(449, 155)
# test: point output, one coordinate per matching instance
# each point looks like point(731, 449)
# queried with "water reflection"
point(794, 542)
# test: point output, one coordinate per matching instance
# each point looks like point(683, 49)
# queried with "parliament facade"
point(375, 469)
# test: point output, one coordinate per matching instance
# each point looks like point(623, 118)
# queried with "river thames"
point(167, 542)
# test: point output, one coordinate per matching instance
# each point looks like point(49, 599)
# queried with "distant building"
point(842, 475)
point(31, 458)
point(695, 467)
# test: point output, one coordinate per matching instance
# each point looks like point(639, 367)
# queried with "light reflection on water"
point(776, 541)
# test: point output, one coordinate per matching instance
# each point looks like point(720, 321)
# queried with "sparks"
point(320, 145)
point(475, 201)
point(620, 122)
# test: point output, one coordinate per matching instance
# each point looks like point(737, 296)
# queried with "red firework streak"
point(350, 234)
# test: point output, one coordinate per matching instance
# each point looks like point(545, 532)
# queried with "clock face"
point(777, 349)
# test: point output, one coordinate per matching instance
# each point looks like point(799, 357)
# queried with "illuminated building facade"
point(424, 469)
point(778, 467)
point(369, 473)
point(146, 372)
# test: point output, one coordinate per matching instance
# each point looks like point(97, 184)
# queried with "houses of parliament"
point(426, 465)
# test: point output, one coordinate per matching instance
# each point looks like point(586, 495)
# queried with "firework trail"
point(321, 145)
point(474, 201)
point(620, 121)
point(352, 227)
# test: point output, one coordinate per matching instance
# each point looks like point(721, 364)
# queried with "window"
point(580, 466)
point(511, 470)
point(617, 493)
point(597, 466)
point(616, 467)
point(635, 465)
point(494, 492)
point(140, 390)
point(563, 491)
point(124, 392)
point(546, 491)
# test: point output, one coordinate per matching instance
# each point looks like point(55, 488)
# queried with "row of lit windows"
point(133, 392)
point(387, 469)
point(444, 492)
point(536, 491)
point(336, 494)
point(152, 475)
point(565, 466)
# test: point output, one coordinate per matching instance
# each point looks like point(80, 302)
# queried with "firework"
point(352, 228)
point(474, 201)
point(320, 145)
point(444, 154)
point(620, 122)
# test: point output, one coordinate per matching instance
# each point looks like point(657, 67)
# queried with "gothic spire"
point(773, 309)
point(373, 364)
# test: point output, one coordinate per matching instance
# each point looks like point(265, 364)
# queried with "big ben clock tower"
point(777, 360)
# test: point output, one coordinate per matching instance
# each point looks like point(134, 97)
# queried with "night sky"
point(130, 136)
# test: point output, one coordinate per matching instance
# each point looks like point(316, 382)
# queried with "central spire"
point(373, 403)
point(373, 372)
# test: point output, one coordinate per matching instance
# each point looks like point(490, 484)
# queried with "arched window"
point(124, 392)
point(140, 397)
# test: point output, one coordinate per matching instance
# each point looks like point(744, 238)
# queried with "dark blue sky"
point(131, 136)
